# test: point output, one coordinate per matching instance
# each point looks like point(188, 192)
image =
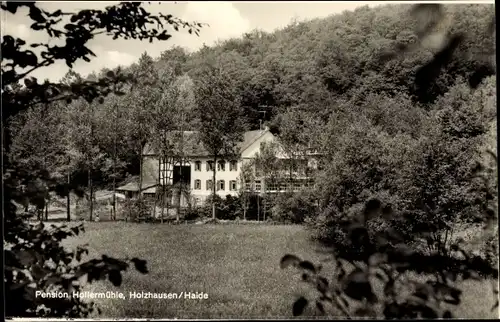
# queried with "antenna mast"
point(264, 116)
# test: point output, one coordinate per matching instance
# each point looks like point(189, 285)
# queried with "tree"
point(25, 263)
point(293, 139)
point(440, 176)
point(430, 280)
point(37, 148)
point(112, 129)
point(221, 121)
point(246, 180)
point(142, 100)
point(186, 101)
point(83, 142)
point(74, 158)
point(184, 110)
point(268, 167)
point(399, 176)
point(174, 58)
point(163, 121)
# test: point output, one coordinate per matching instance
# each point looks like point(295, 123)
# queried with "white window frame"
point(221, 165)
point(197, 165)
point(221, 185)
point(210, 166)
point(233, 165)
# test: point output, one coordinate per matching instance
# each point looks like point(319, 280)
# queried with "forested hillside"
point(293, 79)
point(398, 102)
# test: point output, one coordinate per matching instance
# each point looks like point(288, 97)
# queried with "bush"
point(137, 210)
point(255, 207)
point(424, 172)
point(330, 226)
point(207, 205)
point(101, 210)
point(198, 212)
point(292, 207)
point(228, 208)
point(375, 289)
point(490, 249)
point(417, 189)
point(192, 214)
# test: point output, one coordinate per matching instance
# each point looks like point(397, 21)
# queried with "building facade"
point(191, 170)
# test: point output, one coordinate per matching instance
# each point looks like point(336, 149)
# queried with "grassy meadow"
point(236, 265)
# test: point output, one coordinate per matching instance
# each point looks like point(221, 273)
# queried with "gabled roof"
point(250, 137)
point(192, 145)
point(132, 184)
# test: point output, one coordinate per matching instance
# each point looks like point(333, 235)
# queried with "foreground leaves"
point(353, 293)
point(36, 261)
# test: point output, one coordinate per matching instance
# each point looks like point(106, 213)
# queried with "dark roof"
point(132, 184)
point(194, 147)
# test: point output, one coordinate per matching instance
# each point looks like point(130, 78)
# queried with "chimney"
point(261, 119)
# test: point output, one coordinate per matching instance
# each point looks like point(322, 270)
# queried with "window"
point(258, 185)
point(197, 184)
point(209, 185)
point(233, 166)
point(221, 165)
point(210, 166)
point(197, 166)
point(248, 186)
point(165, 172)
point(220, 185)
point(232, 185)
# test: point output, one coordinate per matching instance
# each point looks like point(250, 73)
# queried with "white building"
point(195, 168)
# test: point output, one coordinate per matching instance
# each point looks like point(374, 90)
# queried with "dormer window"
point(197, 166)
point(210, 166)
point(221, 165)
point(233, 165)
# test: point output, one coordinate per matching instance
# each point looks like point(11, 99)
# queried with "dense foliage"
point(295, 208)
point(399, 180)
point(38, 151)
point(137, 210)
point(398, 100)
point(228, 208)
point(296, 77)
point(384, 274)
point(220, 117)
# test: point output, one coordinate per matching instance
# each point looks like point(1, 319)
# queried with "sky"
point(225, 19)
